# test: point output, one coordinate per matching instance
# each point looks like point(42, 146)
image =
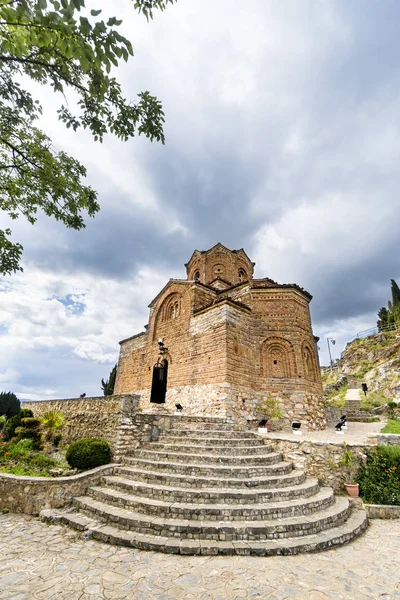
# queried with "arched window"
point(278, 359)
point(242, 275)
point(196, 276)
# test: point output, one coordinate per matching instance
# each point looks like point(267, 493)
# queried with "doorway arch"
point(159, 382)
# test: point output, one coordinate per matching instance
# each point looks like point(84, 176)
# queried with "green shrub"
point(30, 422)
point(22, 433)
point(88, 453)
point(379, 476)
point(57, 439)
point(21, 448)
point(15, 422)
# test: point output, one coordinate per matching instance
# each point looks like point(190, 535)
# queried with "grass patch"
point(392, 426)
point(19, 458)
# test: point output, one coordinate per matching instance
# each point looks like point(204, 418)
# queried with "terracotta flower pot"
point(352, 489)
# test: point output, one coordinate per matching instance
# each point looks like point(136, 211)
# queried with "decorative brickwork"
point(231, 342)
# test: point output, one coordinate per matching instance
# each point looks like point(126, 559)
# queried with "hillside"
point(374, 360)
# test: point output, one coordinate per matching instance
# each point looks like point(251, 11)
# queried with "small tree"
point(9, 406)
point(108, 385)
point(51, 422)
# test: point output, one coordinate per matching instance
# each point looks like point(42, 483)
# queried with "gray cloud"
point(282, 137)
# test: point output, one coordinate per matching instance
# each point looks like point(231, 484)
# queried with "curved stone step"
point(204, 433)
point(213, 511)
point(355, 525)
point(180, 424)
point(243, 495)
point(212, 470)
point(265, 458)
point(207, 448)
point(253, 441)
point(176, 525)
point(170, 477)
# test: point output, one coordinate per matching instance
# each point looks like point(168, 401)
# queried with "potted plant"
point(270, 411)
point(350, 466)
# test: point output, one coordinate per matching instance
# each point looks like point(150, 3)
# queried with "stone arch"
point(310, 368)
point(278, 358)
point(218, 270)
point(242, 275)
point(170, 309)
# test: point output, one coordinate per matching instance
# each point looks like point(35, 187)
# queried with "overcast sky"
point(283, 137)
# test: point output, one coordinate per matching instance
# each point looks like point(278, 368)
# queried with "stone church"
point(220, 342)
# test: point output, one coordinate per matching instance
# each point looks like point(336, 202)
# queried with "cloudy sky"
point(283, 137)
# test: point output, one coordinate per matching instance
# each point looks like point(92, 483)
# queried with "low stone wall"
point(382, 511)
point(318, 459)
point(99, 417)
point(30, 495)
point(388, 439)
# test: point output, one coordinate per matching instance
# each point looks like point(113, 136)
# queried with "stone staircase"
point(208, 487)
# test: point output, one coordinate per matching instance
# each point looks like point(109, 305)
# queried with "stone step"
point(194, 433)
point(211, 469)
point(213, 511)
point(185, 456)
point(207, 448)
point(330, 538)
point(245, 495)
point(295, 477)
point(256, 526)
point(253, 441)
point(185, 424)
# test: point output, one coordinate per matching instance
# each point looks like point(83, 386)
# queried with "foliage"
point(392, 426)
point(270, 408)
point(59, 44)
point(390, 315)
point(57, 440)
point(350, 464)
point(379, 477)
point(9, 407)
point(337, 398)
point(51, 422)
point(20, 458)
point(88, 453)
point(15, 422)
point(372, 400)
point(108, 385)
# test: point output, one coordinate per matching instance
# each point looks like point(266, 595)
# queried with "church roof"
point(218, 245)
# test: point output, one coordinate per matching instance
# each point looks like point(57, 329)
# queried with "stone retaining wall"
point(382, 511)
point(99, 417)
point(388, 439)
point(318, 459)
point(20, 494)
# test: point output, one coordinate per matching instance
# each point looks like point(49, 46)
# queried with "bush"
point(88, 453)
point(379, 476)
point(23, 433)
point(30, 422)
point(15, 422)
point(57, 439)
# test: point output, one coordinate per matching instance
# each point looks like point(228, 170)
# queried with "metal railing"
point(375, 330)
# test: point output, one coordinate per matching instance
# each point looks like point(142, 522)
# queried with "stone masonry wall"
point(99, 417)
point(20, 494)
point(318, 459)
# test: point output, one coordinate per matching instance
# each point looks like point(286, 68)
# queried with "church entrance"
point(159, 383)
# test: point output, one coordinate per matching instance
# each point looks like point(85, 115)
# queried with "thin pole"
point(330, 356)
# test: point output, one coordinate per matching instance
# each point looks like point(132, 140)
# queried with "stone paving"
point(51, 562)
point(357, 433)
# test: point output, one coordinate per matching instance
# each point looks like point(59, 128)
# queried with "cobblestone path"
point(44, 562)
